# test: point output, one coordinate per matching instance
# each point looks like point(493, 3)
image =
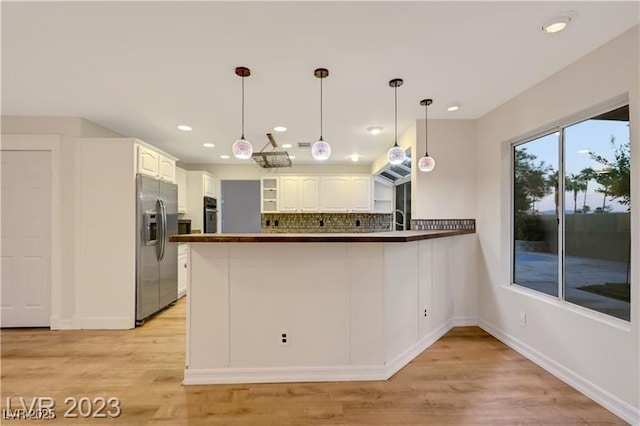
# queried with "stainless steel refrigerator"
point(156, 257)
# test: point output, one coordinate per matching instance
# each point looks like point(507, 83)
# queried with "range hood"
point(271, 159)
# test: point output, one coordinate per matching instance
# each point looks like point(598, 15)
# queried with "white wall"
point(449, 191)
point(105, 233)
point(599, 356)
point(63, 306)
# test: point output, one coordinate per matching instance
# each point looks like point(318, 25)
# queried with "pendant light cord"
point(242, 137)
point(321, 108)
point(395, 91)
point(426, 131)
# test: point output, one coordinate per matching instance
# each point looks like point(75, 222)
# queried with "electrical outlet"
point(284, 337)
point(522, 318)
point(425, 311)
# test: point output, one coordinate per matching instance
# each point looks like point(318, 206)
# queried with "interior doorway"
point(26, 238)
point(240, 206)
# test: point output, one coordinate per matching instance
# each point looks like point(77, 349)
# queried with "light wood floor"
point(466, 378)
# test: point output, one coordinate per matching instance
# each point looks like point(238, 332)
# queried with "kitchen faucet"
point(396, 222)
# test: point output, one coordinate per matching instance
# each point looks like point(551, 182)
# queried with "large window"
point(571, 213)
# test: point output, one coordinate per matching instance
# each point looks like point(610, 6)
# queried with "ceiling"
point(143, 68)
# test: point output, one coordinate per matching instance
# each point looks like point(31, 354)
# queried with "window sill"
point(570, 307)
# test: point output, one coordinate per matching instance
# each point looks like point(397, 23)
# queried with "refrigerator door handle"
point(163, 237)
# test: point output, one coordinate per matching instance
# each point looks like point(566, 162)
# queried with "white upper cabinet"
point(208, 185)
point(288, 194)
point(153, 163)
point(148, 161)
point(322, 194)
point(335, 194)
point(298, 194)
point(308, 194)
point(200, 184)
point(181, 180)
point(167, 169)
point(361, 194)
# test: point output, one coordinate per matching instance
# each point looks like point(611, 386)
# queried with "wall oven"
point(210, 215)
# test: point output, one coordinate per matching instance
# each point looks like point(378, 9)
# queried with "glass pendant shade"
point(321, 150)
point(396, 155)
point(242, 149)
point(426, 164)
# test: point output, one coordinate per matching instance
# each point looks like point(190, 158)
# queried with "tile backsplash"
point(325, 222)
point(443, 224)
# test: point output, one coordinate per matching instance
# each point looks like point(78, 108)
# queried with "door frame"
point(50, 143)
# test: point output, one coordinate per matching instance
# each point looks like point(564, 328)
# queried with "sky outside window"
point(590, 135)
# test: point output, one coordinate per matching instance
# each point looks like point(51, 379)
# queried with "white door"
point(26, 239)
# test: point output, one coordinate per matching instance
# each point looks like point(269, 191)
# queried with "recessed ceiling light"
point(375, 130)
point(559, 23)
point(224, 157)
point(454, 106)
point(292, 157)
point(184, 128)
point(355, 157)
point(287, 145)
point(584, 151)
point(208, 145)
point(280, 129)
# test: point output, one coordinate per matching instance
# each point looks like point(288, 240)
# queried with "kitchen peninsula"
point(321, 307)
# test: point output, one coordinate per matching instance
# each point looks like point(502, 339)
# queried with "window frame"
point(559, 127)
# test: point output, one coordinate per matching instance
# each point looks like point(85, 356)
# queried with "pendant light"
point(426, 163)
point(396, 155)
point(321, 150)
point(242, 148)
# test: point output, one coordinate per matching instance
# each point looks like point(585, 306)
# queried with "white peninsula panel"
point(351, 307)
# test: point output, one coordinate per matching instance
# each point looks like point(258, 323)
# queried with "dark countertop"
point(373, 237)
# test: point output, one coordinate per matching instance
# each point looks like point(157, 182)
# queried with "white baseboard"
point(56, 323)
point(337, 373)
point(408, 355)
point(612, 403)
point(92, 323)
point(282, 374)
point(464, 321)
point(106, 323)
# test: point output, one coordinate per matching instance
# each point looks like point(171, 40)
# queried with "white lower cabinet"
point(183, 269)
